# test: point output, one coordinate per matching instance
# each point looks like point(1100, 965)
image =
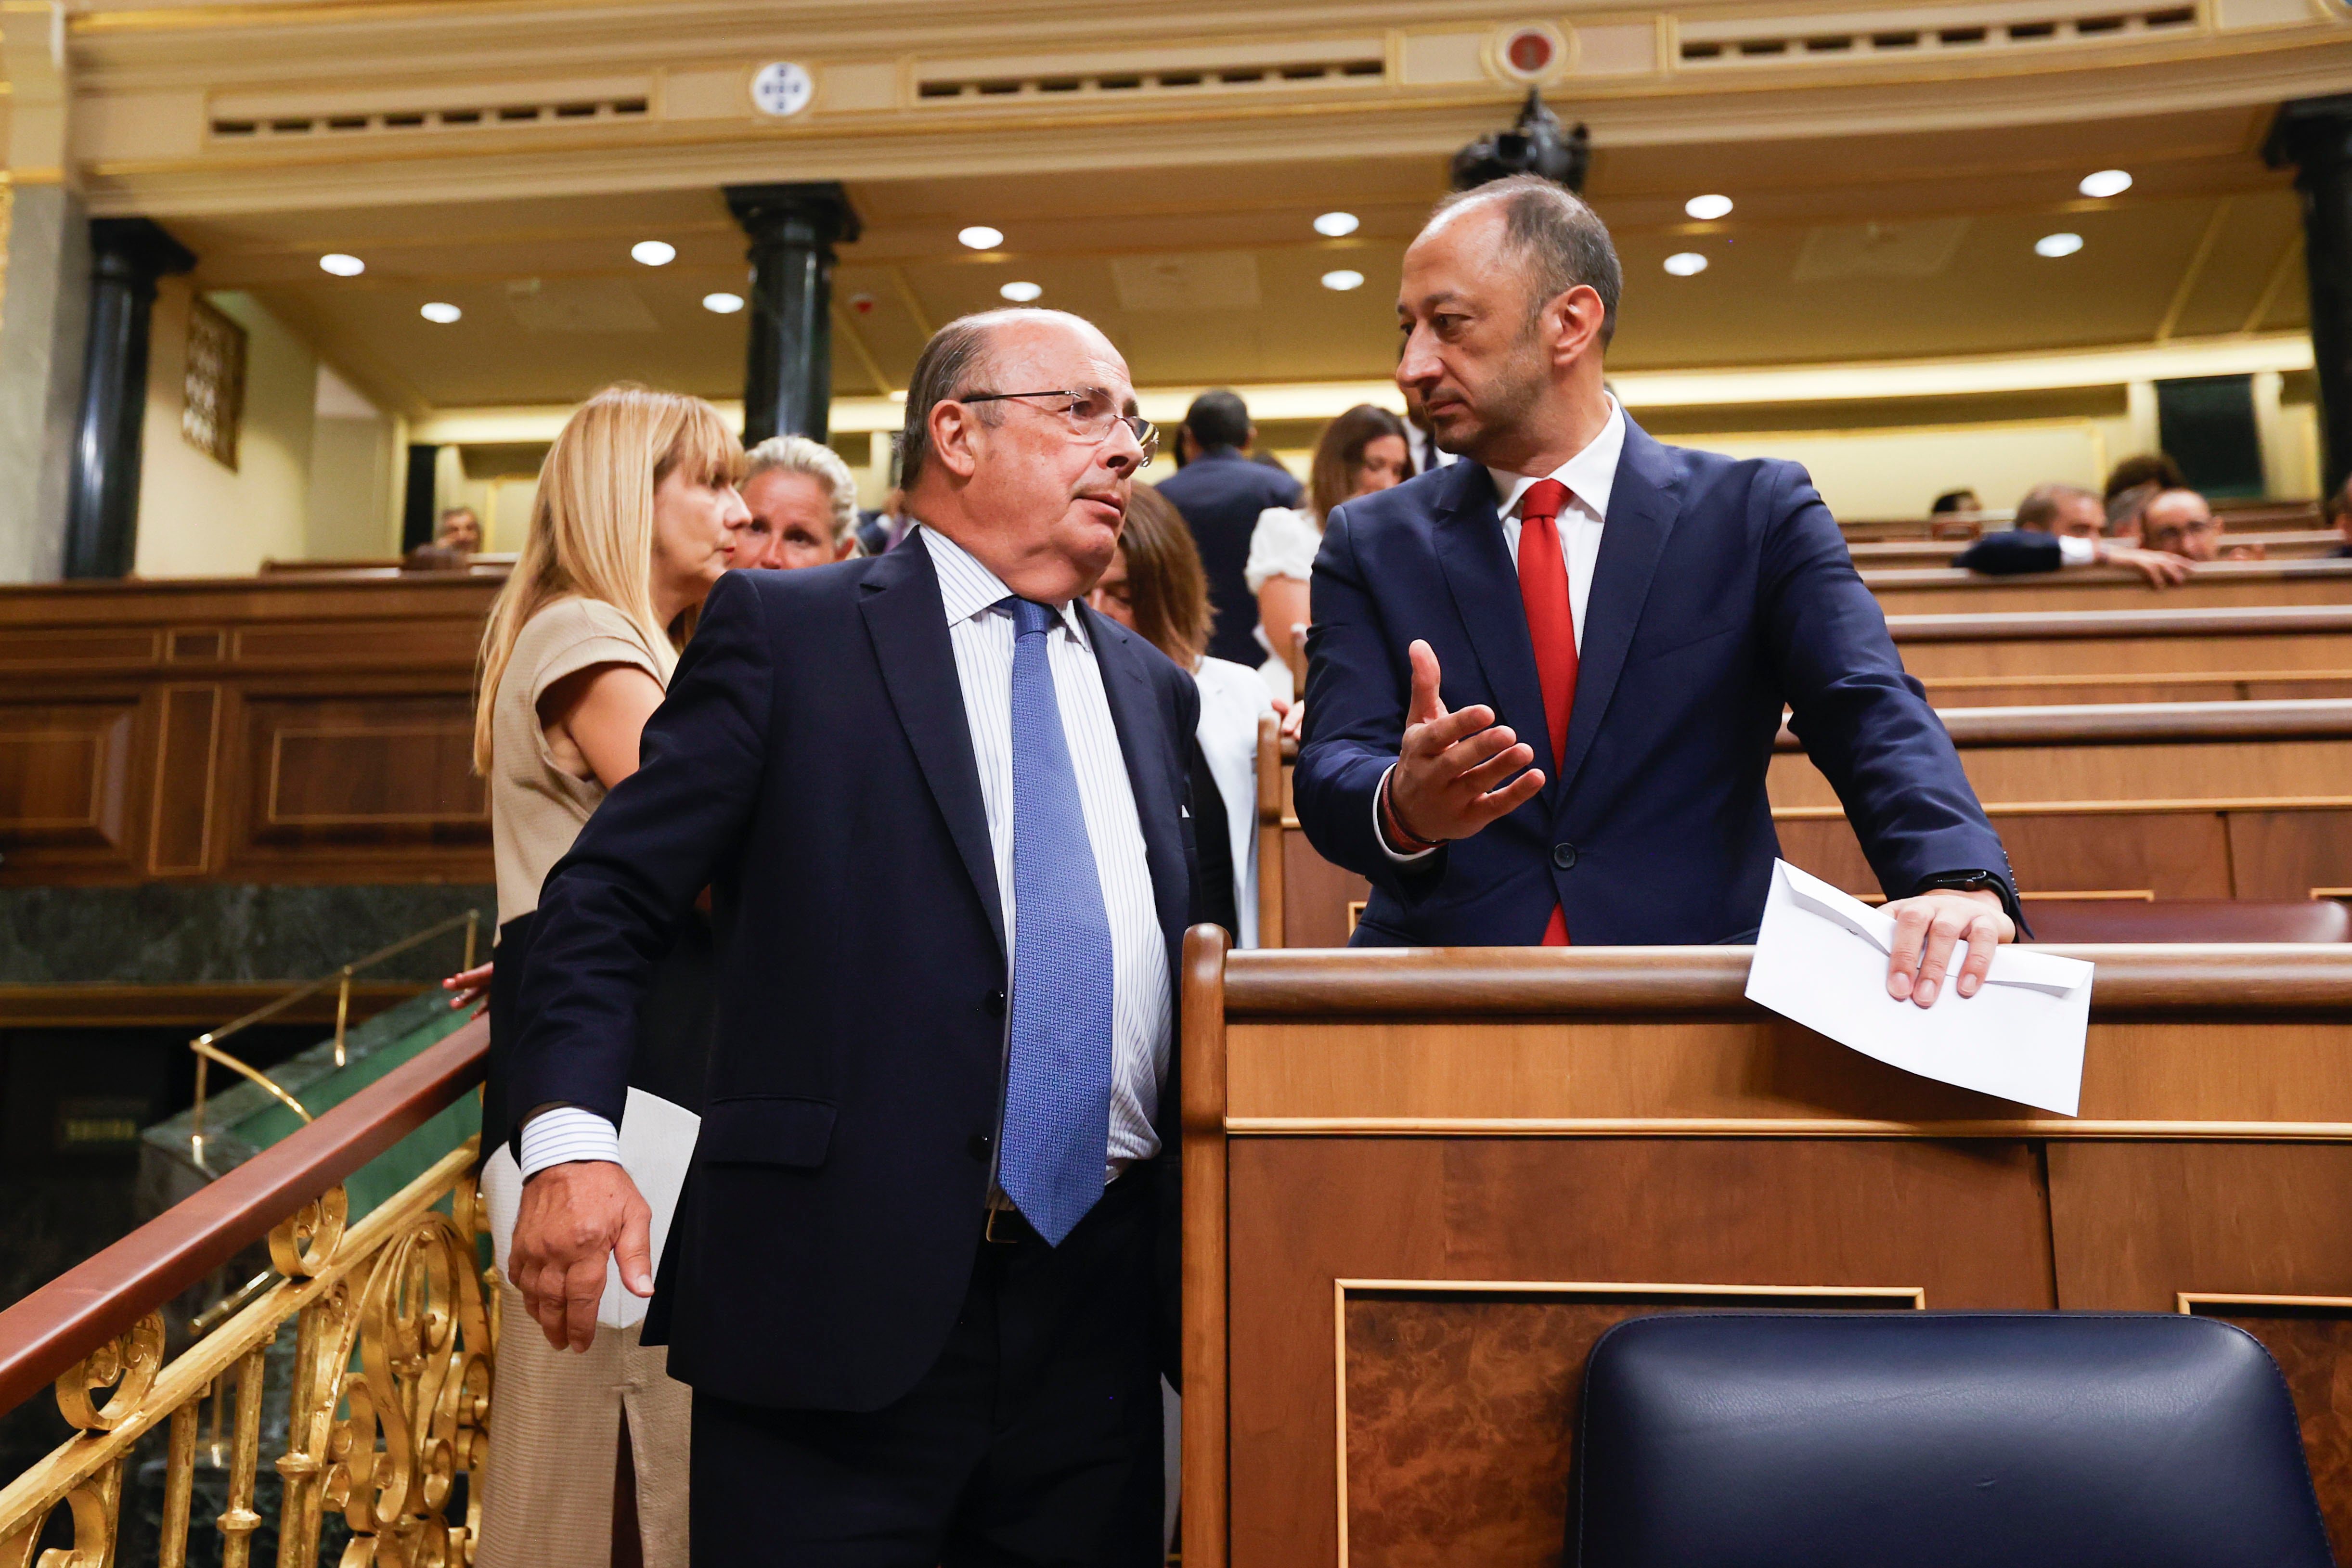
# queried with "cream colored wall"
point(1898, 473)
point(196, 516)
point(355, 472)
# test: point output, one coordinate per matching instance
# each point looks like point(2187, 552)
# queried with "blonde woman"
point(804, 505)
point(632, 524)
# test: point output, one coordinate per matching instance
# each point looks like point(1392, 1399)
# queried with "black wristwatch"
point(1974, 881)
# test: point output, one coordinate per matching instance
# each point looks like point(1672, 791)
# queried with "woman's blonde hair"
point(592, 523)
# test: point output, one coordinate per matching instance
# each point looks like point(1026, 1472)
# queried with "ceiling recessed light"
point(342, 266)
point(2057, 245)
point(898, 397)
point(1684, 263)
point(2105, 182)
point(654, 252)
point(1706, 209)
point(1021, 293)
point(440, 311)
point(1343, 280)
point(980, 236)
point(723, 304)
point(1332, 226)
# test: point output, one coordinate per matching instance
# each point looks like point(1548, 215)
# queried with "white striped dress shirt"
point(980, 631)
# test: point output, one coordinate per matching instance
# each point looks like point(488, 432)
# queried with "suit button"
point(1563, 855)
point(992, 1004)
point(976, 1146)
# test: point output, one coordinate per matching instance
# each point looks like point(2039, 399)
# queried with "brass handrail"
point(206, 1045)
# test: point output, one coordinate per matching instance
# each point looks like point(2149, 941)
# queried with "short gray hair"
point(799, 454)
point(2040, 507)
point(1563, 242)
point(950, 367)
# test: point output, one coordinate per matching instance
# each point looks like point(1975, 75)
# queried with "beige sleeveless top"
point(536, 807)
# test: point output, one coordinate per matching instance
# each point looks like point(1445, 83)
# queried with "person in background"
point(1362, 451)
point(1154, 586)
point(879, 533)
point(2124, 509)
point(1421, 449)
point(435, 558)
point(635, 513)
point(801, 503)
point(1220, 493)
point(2180, 521)
point(459, 529)
point(2336, 511)
point(1960, 502)
point(2062, 526)
point(2154, 469)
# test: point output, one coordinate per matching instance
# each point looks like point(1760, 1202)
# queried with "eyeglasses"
point(1090, 413)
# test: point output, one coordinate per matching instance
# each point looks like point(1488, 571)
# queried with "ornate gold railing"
point(389, 1399)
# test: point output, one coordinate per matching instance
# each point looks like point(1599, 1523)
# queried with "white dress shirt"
point(981, 634)
point(1589, 476)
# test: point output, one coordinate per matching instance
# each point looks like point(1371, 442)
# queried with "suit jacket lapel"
point(1642, 510)
point(1487, 594)
point(1143, 742)
point(906, 620)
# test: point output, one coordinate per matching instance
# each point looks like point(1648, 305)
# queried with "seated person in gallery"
point(2336, 511)
point(2180, 521)
point(460, 530)
point(2060, 525)
point(1544, 683)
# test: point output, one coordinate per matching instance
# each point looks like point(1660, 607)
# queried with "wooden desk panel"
point(1421, 1183)
point(1927, 591)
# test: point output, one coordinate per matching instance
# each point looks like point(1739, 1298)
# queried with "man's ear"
point(1573, 322)
point(1249, 442)
point(846, 548)
point(955, 435)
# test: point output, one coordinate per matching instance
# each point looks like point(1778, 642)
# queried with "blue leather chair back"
point(1939, 1440)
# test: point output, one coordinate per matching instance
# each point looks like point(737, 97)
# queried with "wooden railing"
point(389, 1403)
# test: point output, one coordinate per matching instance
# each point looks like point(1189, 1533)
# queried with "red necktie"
point(1551, 628)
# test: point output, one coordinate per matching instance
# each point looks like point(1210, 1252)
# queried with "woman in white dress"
point(1361, 450)
point(1155, 586)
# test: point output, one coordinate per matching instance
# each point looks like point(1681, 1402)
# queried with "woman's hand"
point(471, 986)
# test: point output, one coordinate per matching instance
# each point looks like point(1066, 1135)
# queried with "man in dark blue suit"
point(919, 1275)
point(1638, 613)
point(2060, 525)
point(1220, 492)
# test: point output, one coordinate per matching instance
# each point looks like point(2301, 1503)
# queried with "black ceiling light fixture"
point(1535, 144)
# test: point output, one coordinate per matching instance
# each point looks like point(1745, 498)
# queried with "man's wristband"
point(1406, 842)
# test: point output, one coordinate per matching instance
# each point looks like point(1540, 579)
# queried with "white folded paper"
point(657, 1142)
point(1820, 959)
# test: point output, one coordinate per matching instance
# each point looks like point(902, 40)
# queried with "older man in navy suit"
point(918, 1275)
point(1544, 682)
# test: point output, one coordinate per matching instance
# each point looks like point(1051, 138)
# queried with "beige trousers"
point(555, 1424)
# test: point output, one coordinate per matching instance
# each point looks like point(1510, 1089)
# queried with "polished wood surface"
point(2276, 544)
point(1904, 590)
point(1444, 1173)
point(284, 728)
point(99, 1004)
point(47, 1331)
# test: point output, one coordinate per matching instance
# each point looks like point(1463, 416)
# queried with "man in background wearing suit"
point(1544, 683)
point(2060, 525)
point(1220, 492)
point(919, 1274)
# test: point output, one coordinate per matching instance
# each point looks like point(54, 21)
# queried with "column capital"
point(2310, 131)
point(137, 249)
point(812, 211)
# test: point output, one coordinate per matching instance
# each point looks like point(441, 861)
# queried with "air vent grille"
point(474, 117)
point(1245, 77)
point(1788, 45)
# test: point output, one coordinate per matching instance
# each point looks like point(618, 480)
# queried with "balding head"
point(1549, 234)
point(964, 357)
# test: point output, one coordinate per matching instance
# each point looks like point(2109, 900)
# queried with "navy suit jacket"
point(813, 765)
point(1221, 493)
point(1723, 590)
point(2012, 552)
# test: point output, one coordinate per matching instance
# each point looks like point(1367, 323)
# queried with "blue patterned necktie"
point(1057, 1083)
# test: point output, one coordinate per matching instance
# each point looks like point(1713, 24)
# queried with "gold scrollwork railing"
point(387, 1406)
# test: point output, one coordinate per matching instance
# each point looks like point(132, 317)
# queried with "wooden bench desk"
point(2279, 544)
point(2221, 584)
point(1420, 1184)
point(2168, 652)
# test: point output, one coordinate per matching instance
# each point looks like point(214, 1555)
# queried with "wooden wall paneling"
point(1315, 896)
point(65, 776)
point(1205, 1268)
point(2289, 854)
point(357, 787)
point(2220, 585)
point(185, 780)
point(2175, 854)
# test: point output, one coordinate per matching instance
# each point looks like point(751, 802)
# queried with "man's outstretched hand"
point(1450, 773)
point(1928, 927)
point(573, 1217)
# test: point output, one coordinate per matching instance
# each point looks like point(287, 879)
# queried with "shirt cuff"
point(563, 1133)
point(1381, 832)
point(2072, 551)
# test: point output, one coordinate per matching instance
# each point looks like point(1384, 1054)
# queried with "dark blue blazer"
point(2012, 552)
point(1221, 493)
point(1723, 590)
point(813, 766)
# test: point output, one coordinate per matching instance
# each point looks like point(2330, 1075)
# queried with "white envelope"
point(657, 1142)
point(1820, 959)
